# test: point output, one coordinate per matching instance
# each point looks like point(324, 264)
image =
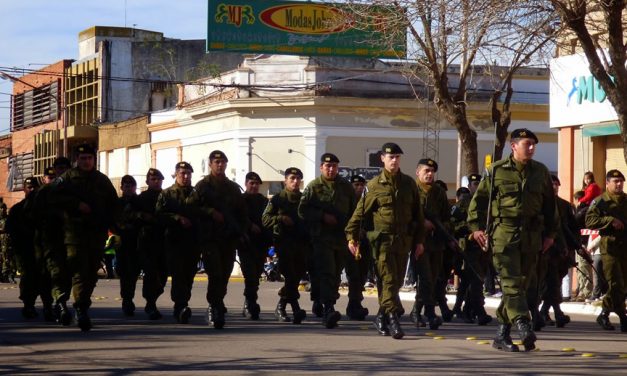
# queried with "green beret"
point(85, 149)
point(154, 172)
point(183, 165)
point(217, 154)
point(49, 171)
point(391, 148)
point(294, 171)
point(474, 177)
point(253, 176)
point(429, 162)
point(329, 158)
point(614, 174)
point(32, 181)
point(523, 133)
point(357, 179)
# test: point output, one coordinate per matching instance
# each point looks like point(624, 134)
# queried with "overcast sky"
point(35, 32)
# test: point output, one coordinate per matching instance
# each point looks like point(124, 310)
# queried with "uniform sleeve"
point(419, 218)
point(596, 217)
point(271, 217)
point(478, 207)
point(198, 202)
point(363, 212)
point(549, 208)
point(163, 211)
point(306, 209)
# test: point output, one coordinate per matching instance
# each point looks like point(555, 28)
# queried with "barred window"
point(36, 106)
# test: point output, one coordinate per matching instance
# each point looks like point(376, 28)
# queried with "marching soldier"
point(222, 212)
point(608, 213)
point(290, 240)
point(517, 190)
point(182, 251)
point(150, 244)
point(392, 204)
point(326, 205)
point(88, 201)
point(252, 255)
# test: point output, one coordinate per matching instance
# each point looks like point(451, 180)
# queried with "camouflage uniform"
point(7, 259)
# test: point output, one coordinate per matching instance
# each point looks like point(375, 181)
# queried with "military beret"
point(523, 133)
point(154, 172)
point(128, 179)
point(62, 161)
point(49, 171)
point(85, 149)
point(462, 191)
point(555, 179)
point(253, 176)
point(442, 185)
point(474, 177)
point(183, 165)
point(217, 154)
point(357, 179)
point(429, 162)
point(294, 171)
point(391, 148)
point(328, 157)
point(32, 181)
point(614, 174)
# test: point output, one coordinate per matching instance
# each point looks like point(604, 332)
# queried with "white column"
point(315, 146)
point(239, 164)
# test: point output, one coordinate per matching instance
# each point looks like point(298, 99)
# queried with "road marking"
point(568, 349)
point(471, 338)
point(588, 355)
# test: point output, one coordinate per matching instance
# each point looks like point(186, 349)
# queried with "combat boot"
point(83, 320)
point(468, 314)
point(355, 311)
point(331, 316)
point(623, 323)
point(416, 317)
point(381, 324)
point(503, 340)
point(48, 313)
point(544, 312)
point(527, 336)
point(482, 317)
point(62, 313)
point(561, 319)
point(457, 308)
point(299, 314)
point(537, 320)
point(183, 315)
point(394, 326)
point(434, 321)
point(29, 312)
point(317, 308)
point(604, 320)
point(447, 313)
point(280, 312)
point(251, 309)
point(128, 308)
point(152, 311)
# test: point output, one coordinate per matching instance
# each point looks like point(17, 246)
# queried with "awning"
point(603, 129)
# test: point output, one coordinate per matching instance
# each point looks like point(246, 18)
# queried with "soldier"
point(290, 242)
point(517, 191)
point(174, 210)
point(223, 223)
point(7, 262)
point(88, 201)
point(393, 205)
point(608, 213)
point(252, 255)
point(150, 244)
point(326, 205)
point(430, 271)
point(357, 269)
point(21, 228)
point(128, 260)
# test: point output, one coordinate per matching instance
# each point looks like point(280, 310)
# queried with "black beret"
point(294, 171)
point(128, 179)
point(154, 172)
point(429, 162)
point(462, 191)
point(217, 154)
point(62, 161)
point(474, 177)
point(49, 171)
point(253, 176)
point(614, 174)
point(183, 165)
point(442, 185)
point(391, 148)
point(328, 157)
point(357, 179)
point(32, 181)
point(523, 133)
point(555, 179)
point(85, 149)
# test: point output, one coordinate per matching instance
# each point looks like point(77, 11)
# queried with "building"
point(281, 111)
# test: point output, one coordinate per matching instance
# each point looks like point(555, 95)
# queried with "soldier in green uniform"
point(183, 253)
point(326, 205)
point(357, 268)
point(128, 260)
point(290, 240)
point(150, 244)
point(428, 268)
point(608, 213)
point(21, 228)
point(7, 262)
point(252, 254)
point(223, 224)
point(88, 201)
point(518, 193)
point(392, 205)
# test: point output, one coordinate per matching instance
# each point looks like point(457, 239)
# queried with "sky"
point(35, 33)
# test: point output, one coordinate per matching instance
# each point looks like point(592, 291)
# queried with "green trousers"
point(615, 271)
point(390, 256)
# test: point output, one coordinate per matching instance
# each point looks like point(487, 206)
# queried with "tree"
point(599, 27)
point(465, 33)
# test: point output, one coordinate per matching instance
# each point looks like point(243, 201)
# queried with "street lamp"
point(290, 151)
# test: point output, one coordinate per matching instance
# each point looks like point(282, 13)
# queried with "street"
point(121, 346)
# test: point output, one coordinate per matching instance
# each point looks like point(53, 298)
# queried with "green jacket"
point(603, 210)
point(172, 204)
point(93, 188)
point(521, 200)
point(391, 210)
point(284, 203)
point(332, 197)
point(435, 206)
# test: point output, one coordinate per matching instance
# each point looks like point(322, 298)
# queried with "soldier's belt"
point(510, 221)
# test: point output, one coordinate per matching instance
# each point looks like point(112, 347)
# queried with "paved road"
point(119, 346)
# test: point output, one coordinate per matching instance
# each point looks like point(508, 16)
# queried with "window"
point(36, 106)
point(20, 168)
